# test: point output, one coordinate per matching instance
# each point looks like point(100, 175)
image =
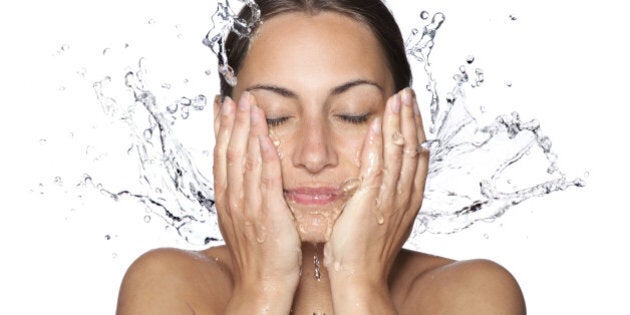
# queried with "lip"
point(313, 196)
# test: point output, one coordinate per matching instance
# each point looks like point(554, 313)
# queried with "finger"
point(271, 182)
point(217, 114)
point(224, 134)
point(253, 165)
point(236, 154)
point(393, 142)
point(423, 162)
point(410, 154)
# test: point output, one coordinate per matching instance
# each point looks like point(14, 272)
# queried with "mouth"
point(313, 196)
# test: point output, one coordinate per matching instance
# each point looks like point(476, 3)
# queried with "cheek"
point(349, 148)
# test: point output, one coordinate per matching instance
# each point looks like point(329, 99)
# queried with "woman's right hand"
point(254, 218)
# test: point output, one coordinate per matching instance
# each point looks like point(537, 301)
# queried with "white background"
point(567, 61)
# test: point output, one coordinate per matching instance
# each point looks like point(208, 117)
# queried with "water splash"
point(484, 158)
point(224, 22)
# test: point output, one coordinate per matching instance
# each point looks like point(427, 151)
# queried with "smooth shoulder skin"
point(171, 281)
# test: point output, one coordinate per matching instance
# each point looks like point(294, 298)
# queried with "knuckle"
point(233, 155)
point(252, 163)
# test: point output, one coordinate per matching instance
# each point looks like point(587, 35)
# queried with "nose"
point(315, 151)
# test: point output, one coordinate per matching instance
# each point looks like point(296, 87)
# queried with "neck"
point(313, 295)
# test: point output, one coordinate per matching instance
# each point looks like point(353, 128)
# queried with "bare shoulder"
point(463, 287)
point(173, 281)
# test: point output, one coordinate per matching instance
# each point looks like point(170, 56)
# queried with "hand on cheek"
point(376, 220)
point(255, 221)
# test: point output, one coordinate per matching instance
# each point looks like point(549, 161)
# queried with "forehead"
point(313, 52)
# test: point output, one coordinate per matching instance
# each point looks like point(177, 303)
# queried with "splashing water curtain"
point(479, 156)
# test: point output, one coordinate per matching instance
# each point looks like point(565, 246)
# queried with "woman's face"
point(320, 80)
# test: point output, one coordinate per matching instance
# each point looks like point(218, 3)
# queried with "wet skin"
point(311, 115)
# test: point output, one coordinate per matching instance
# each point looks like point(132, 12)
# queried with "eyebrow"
point(333, 92)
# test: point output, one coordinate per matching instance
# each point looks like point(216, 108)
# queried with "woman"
point(319, 174)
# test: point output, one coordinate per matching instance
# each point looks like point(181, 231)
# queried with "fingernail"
point(226, 108)
point(254, 114)
point(243, 103)
point(395, 105)
point(406, 97)
point(264, 145)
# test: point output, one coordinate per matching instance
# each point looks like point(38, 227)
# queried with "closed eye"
point(274, 122)
point(355, 119)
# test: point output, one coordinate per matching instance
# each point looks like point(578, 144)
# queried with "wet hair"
point(372, 13)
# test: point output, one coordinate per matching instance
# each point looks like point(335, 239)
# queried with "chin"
point(315, 226)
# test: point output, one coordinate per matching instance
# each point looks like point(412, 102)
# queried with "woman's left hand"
point(378, 218)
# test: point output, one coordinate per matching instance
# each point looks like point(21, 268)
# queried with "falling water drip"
point(317, 275)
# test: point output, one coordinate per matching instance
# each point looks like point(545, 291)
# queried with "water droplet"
point(114, 255)
point(58, 180)
point(43, 141)
point(486, 236)
point(185, 101)
point(513, 17)
point(200, 102)
point(151, 21)
point(208, 72)
point(508, 83)
point(108, 237)
point(470, 59)
point(148, 134)
point(166, 86)
point(414, 31)
point(147, 218)
point(185, 113)
point(424, 15)
point(64, 47)
point(380, 218)
point(172, 109)
point(106, 51)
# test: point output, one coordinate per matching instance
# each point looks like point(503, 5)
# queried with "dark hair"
point(372, 13)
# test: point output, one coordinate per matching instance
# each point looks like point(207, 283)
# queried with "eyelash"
point(274, 122)
point(355, 120)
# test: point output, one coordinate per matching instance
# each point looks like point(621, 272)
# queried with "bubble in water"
point(106, 51)
point(513, 17)
point(147, 218)
point(166, 86)
point(508, 83)
point(208, 72)
point(424, 15)
point(43, 141)
point(58, 180)
point(108, 237)
point(470, 59)
point(151, 21)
